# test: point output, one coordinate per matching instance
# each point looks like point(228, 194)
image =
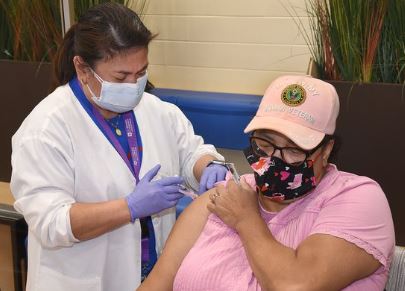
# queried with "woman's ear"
point(327, 149)
point(82, 69)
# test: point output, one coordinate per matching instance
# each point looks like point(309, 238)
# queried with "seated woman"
point(297, 223)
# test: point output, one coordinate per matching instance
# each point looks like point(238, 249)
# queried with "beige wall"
point(235, 46)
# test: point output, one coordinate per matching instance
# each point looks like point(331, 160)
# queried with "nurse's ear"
point(82, 69)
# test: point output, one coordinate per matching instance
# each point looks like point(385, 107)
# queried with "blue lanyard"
point(134, 140)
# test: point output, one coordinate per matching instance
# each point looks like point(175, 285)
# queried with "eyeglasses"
point(291, 155)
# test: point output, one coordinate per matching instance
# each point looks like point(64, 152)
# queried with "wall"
point(23, 86)
point(234, 46)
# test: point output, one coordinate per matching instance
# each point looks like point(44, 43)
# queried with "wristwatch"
point(217, 162)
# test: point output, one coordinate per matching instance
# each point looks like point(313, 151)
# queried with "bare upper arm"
point(184, 234)
point(335, 262)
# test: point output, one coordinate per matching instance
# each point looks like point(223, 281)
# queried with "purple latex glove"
point(152, 197)
point(212, 174)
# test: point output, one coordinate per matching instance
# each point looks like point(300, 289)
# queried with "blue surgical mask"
point(119, 97)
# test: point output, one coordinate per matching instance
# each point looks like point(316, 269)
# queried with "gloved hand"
point(211, 174)
point(152, 197)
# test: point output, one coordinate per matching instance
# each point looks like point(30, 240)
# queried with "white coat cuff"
point(205, 149)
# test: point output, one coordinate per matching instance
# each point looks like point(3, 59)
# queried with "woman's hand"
point(234, 203)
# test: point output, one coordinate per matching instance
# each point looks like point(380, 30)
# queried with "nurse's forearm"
point(90, 220)
point(200, 165)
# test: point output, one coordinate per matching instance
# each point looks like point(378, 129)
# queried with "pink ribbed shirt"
point(343, 205)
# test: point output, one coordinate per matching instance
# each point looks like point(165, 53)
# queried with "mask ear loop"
point(314, 160)
point(319, 146)
point(96, 75)
point(91, 92)
point(317, 156)
point(98, 78)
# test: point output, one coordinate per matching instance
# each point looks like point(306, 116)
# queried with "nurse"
point(98, 163)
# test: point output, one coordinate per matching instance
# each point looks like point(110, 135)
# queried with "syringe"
point(187, 191)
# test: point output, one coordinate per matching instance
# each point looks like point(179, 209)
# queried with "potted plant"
point(30, 32)
point(359, 47)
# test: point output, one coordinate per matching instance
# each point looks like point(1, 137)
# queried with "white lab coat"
point(61, 157)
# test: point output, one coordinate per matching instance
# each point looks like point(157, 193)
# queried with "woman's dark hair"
point(100, 33)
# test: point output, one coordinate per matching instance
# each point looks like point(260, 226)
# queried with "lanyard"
point(129, 122)
point(149, 256)
point(130, 129)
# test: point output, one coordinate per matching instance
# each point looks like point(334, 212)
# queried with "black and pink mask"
point(278, 180)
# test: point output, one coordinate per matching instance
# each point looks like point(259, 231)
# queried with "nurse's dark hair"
point(102, 32)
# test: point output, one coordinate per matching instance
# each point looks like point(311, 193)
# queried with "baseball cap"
point(302, 108)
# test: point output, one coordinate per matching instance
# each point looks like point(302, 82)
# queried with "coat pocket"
point(51, 280)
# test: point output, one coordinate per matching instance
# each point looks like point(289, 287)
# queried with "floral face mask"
point(278, 180)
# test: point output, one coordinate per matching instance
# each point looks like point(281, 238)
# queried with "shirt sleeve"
point(43, 183)
point(361, 215)
point(191, 147)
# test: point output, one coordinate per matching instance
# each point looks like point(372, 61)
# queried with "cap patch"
point(293, 95)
